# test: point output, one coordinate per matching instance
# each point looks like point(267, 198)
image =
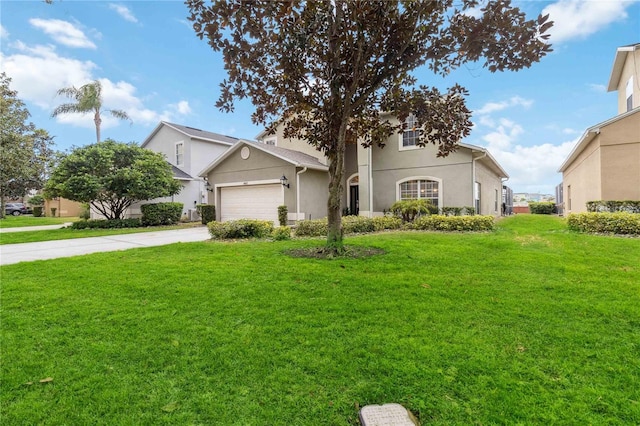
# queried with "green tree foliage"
point(325, 69)
point(88, 99)
point(111, 176)
point(25, 151)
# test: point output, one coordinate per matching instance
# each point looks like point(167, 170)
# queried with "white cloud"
point(124, 12)
point(503, 135)
point(182, 107)
point(3, 32)
point(579, 18)
point(38, 72)
point(569, 131)
point(534, 168)
point(63, 32)
point(490, 107)
point(33, 85)
point(599, 88)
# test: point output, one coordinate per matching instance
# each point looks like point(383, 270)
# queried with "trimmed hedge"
point(207, 213)
point(453, 223)
point(451, 211)
point(628, 206)
point(544, 207)
point(350, 225)
point(106, 224)
point(311, 228)
point(281, 233)
point(161, 213)
point(606, 223)
point(283, 215)
point(243, 228)
point(37, 211)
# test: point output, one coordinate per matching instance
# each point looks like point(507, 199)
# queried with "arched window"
point(422, 189)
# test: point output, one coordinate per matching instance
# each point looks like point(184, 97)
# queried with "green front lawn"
point(28, 220)
point(530, 324)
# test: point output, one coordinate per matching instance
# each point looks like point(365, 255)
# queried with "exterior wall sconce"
point(207, 185)
point(284, 181)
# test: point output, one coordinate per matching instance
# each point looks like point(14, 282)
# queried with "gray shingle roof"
point(202, 134)
point(179, 174)
point(296, 157)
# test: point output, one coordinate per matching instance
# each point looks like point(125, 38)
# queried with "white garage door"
point(251, 202)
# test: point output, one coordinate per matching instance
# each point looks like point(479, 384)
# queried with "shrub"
point(470, 211)
point(36, 200)
point(453, 223)
point(207, 213)
point(609, 223)
point(283, 215)
point(357, 224)
point(350, 225)
point(545, 207)
point(243, 228)
point(37, 211)
point(281, 233)
point(312, 228)
point(408, 210)
point(161, 213)
point(106, 224)
point(85, 213)
point(628, 206)
point(381, 223)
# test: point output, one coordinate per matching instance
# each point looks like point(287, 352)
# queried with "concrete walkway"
point(25, 252)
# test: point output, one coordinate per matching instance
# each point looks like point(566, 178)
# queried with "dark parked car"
point(16, 209)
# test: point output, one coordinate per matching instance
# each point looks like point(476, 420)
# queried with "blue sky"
point(152, 65)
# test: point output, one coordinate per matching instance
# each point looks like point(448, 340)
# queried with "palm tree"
point(88, 98)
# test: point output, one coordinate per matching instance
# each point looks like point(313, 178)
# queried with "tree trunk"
point(98, 121)
point(335, 242)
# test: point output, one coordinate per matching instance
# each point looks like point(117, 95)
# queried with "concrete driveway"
point(14, 253)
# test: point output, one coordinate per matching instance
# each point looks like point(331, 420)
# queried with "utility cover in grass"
point(386, 415)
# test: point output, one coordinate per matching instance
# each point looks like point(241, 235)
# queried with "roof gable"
point(296, 158)
point(194, 133)
point(618, 65)
point(589, 134)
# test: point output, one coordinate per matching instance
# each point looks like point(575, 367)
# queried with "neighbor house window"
point(411, 132)
point(179, 154)
point(629, 93)
point(270, 141)
point(421, 190)
point(496, 203)
point(477, 191)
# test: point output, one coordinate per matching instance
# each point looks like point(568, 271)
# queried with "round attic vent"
point(245, 152)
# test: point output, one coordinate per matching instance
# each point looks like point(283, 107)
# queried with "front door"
point(354, 199)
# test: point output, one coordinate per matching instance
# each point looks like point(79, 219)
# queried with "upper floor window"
point(411, 133)
point(270, 141)
point(629, 93)
point(180, 154)
point(421, 190)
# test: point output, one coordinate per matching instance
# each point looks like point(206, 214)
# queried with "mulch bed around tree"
point(350, 252)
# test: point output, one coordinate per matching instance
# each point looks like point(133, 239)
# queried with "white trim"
point(298, 173)
point(432, 178)
point(269, 139)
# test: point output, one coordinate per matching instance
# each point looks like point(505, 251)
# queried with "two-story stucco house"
point(605, 163)
point(188, 150)
point(282, 171)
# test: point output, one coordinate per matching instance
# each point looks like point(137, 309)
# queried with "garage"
point(251, 202)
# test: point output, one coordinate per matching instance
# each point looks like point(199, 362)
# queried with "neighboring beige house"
point(247, 178)
point(605, 163)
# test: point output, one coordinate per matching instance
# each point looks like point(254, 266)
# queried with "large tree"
point(326, 69)
point(25, 151)
point(111, 176)
point(88, 99)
